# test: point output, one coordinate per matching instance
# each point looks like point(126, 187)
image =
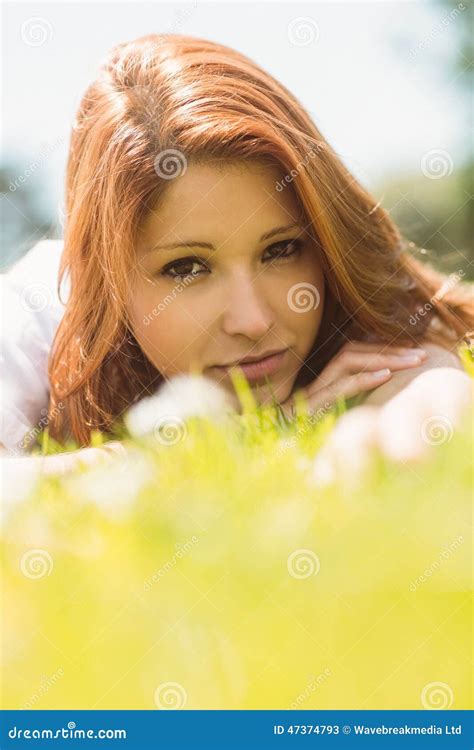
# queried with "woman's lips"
point(255, 371)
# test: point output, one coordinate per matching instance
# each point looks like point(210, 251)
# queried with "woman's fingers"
point(351, 362)
point(62, 463)
point(349, 386)
point(416, 421)
point(358, 367)
point(370, 346)
point(346, 387)
point(348, 362)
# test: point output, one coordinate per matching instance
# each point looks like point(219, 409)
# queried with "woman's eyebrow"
point(209, 246)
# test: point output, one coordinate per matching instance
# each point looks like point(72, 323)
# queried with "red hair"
point(208, 102)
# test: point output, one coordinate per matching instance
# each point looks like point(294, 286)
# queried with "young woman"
point(208, 222)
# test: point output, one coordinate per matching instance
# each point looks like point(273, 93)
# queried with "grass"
point(211, 570)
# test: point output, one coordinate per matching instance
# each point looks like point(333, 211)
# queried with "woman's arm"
point(437, 356)
point(20, 473)
point(404, 418)
point(358, 368)
point(32, 310)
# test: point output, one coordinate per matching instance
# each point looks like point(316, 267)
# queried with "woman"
point(208, 222)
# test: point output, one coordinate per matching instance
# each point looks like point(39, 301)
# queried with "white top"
point(31, 312)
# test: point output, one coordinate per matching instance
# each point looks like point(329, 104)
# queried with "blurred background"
point(388, 84)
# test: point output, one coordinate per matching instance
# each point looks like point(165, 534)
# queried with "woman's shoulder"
point(440, 356)
point(437, 357)
point(30, 293)
point(32, 310)
point(40, 263)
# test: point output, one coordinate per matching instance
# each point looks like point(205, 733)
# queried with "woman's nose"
point(246, 309)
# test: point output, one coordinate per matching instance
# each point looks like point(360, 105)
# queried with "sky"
point(375, 76)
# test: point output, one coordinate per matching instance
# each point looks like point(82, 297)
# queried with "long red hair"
point(206, 101)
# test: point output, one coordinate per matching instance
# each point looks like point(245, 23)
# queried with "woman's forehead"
point(213, 203)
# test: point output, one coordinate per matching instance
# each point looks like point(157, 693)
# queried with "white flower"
point(19, 477)
point(348, 450)
point(180, 397)
point(114, 488)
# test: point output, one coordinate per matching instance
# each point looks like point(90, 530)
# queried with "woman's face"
point(226, 271)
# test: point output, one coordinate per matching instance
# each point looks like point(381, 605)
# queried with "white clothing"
point(31, 312)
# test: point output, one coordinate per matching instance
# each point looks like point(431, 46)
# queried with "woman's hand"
point(61, 463)
point(20, 473)
point(422, 416)
point(358, 367)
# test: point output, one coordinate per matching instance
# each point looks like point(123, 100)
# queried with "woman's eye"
point(183, 268)
point(285, 249)
point(190, 267)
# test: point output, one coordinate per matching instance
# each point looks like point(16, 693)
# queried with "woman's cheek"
point(172, 324)
point(307, 321)
point(304, 298)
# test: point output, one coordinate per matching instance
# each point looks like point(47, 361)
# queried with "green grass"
point(217, 564)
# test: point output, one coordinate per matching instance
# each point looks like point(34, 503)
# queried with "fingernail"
point(410, 359)
point(380, 373)
point(409, 350)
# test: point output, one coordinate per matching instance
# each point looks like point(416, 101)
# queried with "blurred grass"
point(215, 573)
